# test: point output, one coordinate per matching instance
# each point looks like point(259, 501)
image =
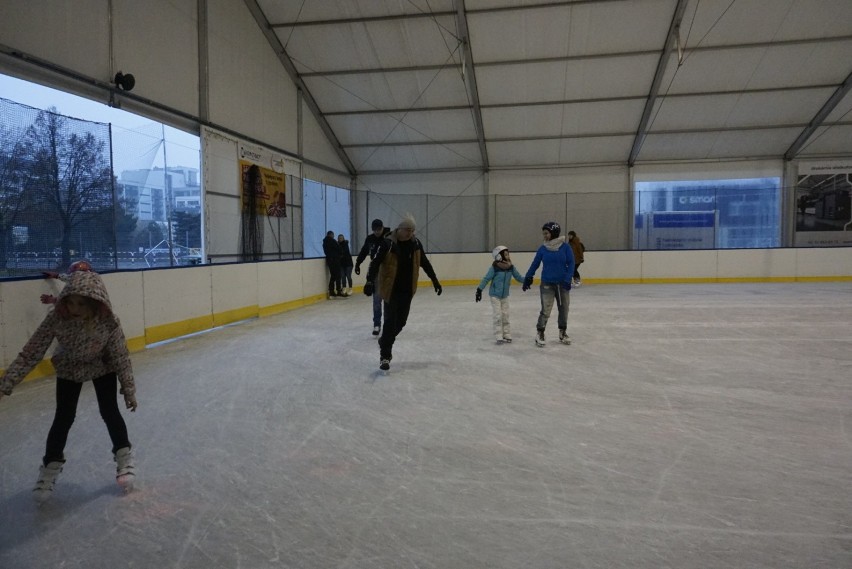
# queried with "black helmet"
point(553, 228)
point(377, 224)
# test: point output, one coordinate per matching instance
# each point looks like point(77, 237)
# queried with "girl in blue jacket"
point(558, 259)
point(500, 275)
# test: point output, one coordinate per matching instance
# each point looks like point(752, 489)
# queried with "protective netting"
point(72, 189)
point(56, 191)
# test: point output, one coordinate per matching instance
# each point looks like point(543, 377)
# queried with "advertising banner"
point(823, 212)
point(268, 195)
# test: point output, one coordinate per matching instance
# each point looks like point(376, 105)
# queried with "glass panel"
point(708, 214)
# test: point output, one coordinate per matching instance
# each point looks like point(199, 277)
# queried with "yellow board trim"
point(236, 315)
point(156, 334)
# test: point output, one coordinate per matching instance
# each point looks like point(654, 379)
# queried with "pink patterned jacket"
point(87, 349)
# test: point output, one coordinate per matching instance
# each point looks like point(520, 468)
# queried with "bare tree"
point(70, 177)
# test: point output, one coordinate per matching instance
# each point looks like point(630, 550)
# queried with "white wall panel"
point(175, 295)
point(317, 147)
point(545, 181)
point(826, 262)
point(157, 41)
point(761, 263)
point(234, 287)
point(698, 264)
point(709, 170)
point(438, 183)
point(250, 92)
point(279, 283)
point(125, 292)
point(616, 265)
point(74, 35)
point(21, 312)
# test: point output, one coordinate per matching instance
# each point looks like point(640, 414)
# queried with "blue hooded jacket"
point(501, 280)
point(558, 259)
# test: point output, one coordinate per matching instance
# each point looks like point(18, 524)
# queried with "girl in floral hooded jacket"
point(91, 347)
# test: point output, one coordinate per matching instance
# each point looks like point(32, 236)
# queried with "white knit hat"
point(407, 222)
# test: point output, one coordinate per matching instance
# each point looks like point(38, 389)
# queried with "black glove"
point(478, 294)
point(527, 284)
point(368, 288)
point(566, 285)
point(438, 288)
point(357, 269)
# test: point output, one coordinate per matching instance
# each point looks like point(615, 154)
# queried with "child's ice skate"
point(46, 481)
point(125, 469)
point(564, 338)
point(539, 339)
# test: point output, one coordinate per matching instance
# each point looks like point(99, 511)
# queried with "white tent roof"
point(426, 85)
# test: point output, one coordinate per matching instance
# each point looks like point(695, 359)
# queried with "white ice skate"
point(564, 338)
point(46, 481)
point(125, 469)
point(539, 339)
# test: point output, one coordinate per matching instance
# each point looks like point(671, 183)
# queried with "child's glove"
point(438, 288)
point(478, 294)
point(357, 269)
point(368, 288)
point(130, 402)
point(48, 299)
point(527, 284)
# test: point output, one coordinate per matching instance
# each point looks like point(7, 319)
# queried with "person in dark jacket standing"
point(396, 269)
point(332, 260)
point(369, 249)
point(558, 259)
point(345, 265)
point(578, 248)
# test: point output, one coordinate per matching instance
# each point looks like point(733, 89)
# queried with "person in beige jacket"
point(90, 347)
point(396, 269)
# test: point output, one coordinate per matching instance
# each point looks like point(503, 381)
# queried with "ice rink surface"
point(687, 426)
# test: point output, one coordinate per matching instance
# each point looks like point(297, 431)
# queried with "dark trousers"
point(396, 315)
point(334, 285)
point(577, 270)
point(67, 395)
point(346, 276)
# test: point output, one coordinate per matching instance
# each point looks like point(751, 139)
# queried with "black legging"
point(396, 315)
point(67, 395)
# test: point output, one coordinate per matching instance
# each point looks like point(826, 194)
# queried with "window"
point(708, 214)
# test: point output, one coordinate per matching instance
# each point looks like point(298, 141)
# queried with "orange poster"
point(268, 195)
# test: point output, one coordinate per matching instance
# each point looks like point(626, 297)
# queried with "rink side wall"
point(159, 305)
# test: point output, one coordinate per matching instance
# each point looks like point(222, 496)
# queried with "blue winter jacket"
point(558, 259)
point(501, 280)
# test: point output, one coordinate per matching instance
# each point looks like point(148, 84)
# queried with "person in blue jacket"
point(558, 259)
point(500, 275)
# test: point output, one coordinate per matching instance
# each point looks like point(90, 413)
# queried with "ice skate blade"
point(41, 496)
point(126, 482)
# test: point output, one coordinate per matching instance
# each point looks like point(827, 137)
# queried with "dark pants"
point(67, 395)
point(377, 309)
point(346, 276)
point(334, 285)
point(577, 270)
point(396, 315)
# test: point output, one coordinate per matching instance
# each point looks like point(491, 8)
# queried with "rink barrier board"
point(293, 284)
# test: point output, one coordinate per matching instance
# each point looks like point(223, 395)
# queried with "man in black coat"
point(370, 248)
point(332, 260)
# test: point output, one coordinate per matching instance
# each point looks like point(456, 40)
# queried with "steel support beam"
point(279, 50)
point(816, 122)
point(642, 131)
point(469, 78)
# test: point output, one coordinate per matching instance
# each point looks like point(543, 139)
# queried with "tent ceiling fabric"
point(565, 83)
